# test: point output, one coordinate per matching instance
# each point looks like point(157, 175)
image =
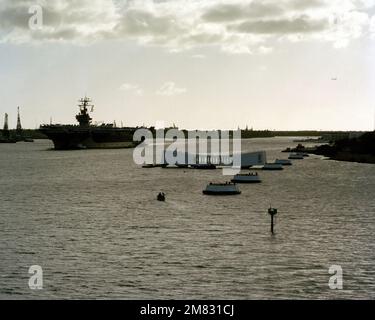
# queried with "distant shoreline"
point(360, 149)
point(245, 134)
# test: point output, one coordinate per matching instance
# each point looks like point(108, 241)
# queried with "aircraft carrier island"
point(86, 135)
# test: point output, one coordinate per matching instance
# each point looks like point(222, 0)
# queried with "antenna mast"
point(83, 117)
point(19, 126)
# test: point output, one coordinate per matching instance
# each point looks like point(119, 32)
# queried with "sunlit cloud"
point(198, 56)
point(234, 26)
point(170, 89)
point(133, 88)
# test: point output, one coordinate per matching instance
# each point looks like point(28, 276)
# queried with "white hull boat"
point(247, 178)
point(296, 156)
point(221, 189)
point(273, 166)
point(283, 162)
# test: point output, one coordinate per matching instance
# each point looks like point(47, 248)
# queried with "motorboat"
point(148, 166)
point(221, 189)
point(283, 162)
point(182, 166)
point(296, 156)
point(203, 166)
point(273, 166)
point(247, 178)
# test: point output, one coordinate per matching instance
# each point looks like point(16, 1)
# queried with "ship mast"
point(83, 117)
point(19, 132)
point(19, 126)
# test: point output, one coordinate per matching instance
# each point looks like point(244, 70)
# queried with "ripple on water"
point(90, 219)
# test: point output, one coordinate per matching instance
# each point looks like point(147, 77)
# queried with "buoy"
point(161, 196)
point(272, 212)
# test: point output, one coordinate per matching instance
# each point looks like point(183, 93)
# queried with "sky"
point(198, 64)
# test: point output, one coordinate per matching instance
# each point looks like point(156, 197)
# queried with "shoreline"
point(360, 149)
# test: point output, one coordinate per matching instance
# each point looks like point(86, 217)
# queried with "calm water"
point(89, 218)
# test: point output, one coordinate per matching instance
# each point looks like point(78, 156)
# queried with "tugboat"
point(86, 135)
point(222, 189)
point(247, 178)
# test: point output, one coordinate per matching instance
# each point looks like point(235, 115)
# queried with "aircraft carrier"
point(86, 135)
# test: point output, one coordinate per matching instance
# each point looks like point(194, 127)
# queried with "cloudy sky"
point(269, 64)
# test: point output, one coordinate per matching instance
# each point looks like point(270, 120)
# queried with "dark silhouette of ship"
point(86, 135)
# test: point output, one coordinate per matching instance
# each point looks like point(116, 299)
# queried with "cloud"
point(372, 26)
point(198, 56)
point(135, 89)
point(347, 26)
point(237, 48)
point(280, 26)
point(236, 26)
point(305, 4)
point(170, 89)
point(223, 12)
point(265, 50)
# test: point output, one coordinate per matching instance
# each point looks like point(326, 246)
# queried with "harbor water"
point(90, 219)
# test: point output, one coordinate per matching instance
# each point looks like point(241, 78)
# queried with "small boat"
point(273, 166)
point(256, 167)
point(221, 189)
point(247, 178)
point(203, 166)
point(182, 166)
point(283, 162)
point(161, 196)
point(148, 166)
point(296, 156)
point(176, 166)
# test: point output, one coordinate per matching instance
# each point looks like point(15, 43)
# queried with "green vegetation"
point(248, 134)
point(27, 133)
point(359, 149)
